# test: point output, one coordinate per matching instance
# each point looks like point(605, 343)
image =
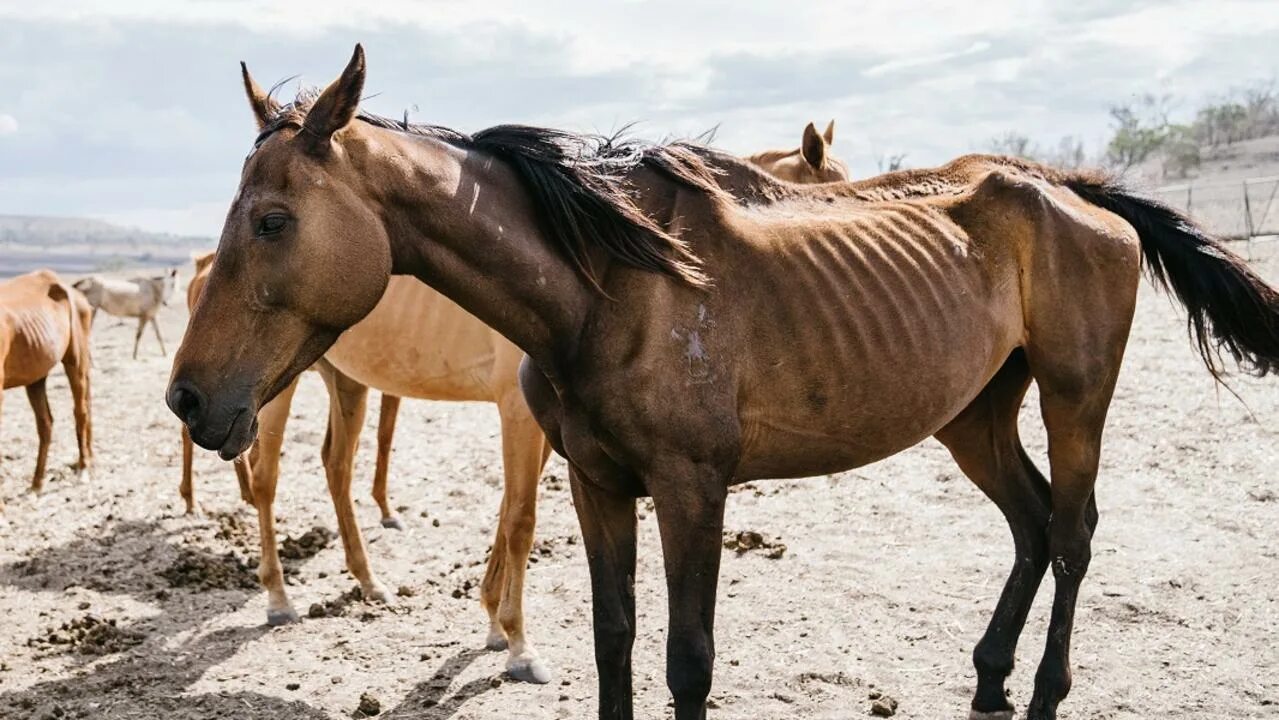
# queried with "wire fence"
point(1235, 210)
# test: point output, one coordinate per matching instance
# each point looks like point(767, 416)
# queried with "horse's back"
point(122, 298)
point(36, 314)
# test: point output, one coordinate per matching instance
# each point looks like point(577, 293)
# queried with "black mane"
point(579, 183)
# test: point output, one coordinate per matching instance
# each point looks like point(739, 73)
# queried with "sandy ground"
point(889, 576)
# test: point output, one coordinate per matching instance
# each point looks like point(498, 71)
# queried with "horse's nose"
point(186, 401)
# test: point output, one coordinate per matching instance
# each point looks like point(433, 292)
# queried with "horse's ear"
point(263, 105)
point(337, 105)
point(813, 147)
point(829, 135)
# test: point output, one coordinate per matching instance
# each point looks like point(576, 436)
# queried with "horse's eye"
point(272, 224)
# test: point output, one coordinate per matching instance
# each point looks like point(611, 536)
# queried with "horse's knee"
point(613, 638)
point(1071, 557)
point(518, 527)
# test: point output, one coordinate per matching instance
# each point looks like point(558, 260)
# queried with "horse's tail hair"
point(1229, 306)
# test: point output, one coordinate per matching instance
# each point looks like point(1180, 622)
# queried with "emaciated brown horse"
point(44, 322)
point(681, 340)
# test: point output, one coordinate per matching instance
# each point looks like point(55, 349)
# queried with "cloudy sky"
point(132, 110)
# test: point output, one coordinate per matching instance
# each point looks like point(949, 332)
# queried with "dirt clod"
point(306, 545)
point(336, 607)
point(748, 540)
point(883, 706)
point(202, 571)
point(369, 706)
point(90, 635)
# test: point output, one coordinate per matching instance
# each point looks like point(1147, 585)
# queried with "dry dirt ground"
point(115, 605)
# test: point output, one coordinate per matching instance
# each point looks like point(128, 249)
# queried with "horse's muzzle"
point(228, 428)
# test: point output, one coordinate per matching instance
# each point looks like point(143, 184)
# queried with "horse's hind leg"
point(984, 442)
point(137, 336)
point(44, 429)
point(523, 456)
point(387, 415)
point(1081, 297)
point(156, 326)
point(77, 369)
point(1074, 413)
point(347, 404)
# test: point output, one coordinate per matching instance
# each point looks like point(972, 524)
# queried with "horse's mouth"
point(244, 428)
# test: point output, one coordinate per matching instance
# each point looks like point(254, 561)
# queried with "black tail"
point(1230, 307)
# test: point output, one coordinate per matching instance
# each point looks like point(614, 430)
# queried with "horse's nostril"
point(186, 402)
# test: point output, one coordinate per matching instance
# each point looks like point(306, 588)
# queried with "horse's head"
point(303, 256)
point(168, 282)
point(811, 163)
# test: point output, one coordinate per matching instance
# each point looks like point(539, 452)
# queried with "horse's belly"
point(34, 352)
point(860, 396)
point(425, 371)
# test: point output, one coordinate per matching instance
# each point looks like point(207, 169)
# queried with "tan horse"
point(44, 322)
point(415, 344)
point(811, 162)
point(786, 332)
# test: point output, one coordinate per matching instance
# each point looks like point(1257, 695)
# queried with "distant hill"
point(75, 246)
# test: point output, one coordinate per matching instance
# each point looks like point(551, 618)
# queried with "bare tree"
point(890, 163)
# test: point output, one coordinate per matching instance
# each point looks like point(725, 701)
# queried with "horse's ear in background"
point(202, 260)
point(829, 135)
point(337, 105)
point(263, 105)
point(813, 147)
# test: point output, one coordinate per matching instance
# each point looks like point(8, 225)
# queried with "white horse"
point(139, 297)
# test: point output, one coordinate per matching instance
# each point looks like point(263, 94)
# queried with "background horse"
point(43, 323)
point(811, 162)
point(681, 340)
point(139, 298)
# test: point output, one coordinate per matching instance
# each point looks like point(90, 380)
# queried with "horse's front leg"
point(259, 479)
point(689, 502)
point(608, 534)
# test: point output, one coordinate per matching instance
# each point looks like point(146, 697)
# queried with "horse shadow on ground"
point(149, 675)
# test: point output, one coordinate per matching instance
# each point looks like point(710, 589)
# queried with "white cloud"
point(165, 141)
point(8, 124)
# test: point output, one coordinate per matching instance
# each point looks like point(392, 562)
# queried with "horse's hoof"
point(393, 521)
point(376, 592)
point(529, 670)
point(496, 641)
point(276, 617)
point(996, 715)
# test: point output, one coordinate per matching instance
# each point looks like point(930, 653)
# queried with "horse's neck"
point(466, 226)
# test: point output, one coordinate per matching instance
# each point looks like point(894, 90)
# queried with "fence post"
point(1247, 218)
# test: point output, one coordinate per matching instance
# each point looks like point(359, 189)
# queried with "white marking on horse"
point(695, 353)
